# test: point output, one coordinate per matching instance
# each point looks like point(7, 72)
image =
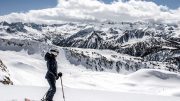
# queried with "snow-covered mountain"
point(153, 44)
point(95, 55)
point(111, 61)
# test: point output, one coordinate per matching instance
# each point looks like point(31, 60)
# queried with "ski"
point(27, 99)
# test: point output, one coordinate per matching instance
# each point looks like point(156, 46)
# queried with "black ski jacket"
point(51, 66)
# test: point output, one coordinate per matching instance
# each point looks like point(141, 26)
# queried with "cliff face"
point(4, 75)
point(107, 60)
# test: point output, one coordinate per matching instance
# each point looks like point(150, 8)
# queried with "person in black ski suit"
point(51, 74)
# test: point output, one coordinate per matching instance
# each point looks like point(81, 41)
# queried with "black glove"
point(57, 77)
point(59, 74)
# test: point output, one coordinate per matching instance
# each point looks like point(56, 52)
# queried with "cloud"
point(95, 11)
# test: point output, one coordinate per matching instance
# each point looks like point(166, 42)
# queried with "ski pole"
point(44, 96)
point(62, 88)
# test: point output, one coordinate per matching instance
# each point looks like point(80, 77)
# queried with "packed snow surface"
point(18, 93)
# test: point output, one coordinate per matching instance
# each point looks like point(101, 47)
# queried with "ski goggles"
point(55, 52)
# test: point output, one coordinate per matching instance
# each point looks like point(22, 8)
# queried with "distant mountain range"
point(132, 46)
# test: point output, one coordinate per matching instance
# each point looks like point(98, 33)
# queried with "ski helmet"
point(54, 51)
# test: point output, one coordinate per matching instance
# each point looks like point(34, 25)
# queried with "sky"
point(9, 6)
point(57, 11)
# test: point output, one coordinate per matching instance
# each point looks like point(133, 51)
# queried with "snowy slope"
point(76, 95)
point(29, 70)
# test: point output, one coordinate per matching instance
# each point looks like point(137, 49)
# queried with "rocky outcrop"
point(16, 27)
point(95, 60)
point(4, 75)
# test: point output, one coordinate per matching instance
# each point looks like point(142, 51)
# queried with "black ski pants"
point(52, 89)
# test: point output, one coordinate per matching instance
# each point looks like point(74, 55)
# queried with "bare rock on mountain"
point(4, 75)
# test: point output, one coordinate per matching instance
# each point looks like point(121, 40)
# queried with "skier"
point(52, 74)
